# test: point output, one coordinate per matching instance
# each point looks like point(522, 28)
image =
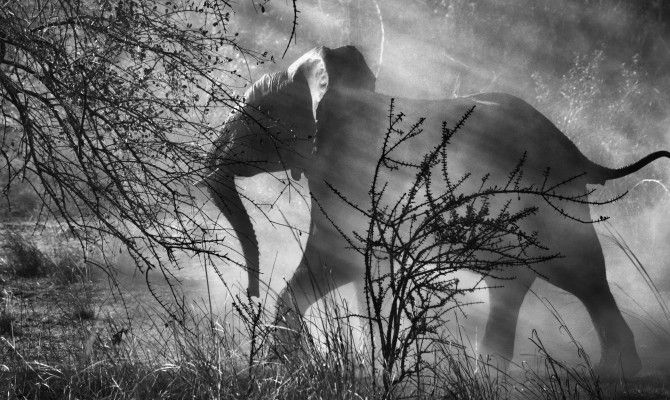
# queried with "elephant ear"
point(323, 68)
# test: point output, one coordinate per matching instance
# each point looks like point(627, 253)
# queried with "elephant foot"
point(496, 352)
point(616, 365)
point(493, 361)
point(288, 339)
point(286, 342)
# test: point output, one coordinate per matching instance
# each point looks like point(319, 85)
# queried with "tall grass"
point(193, 358)
point(201, 358)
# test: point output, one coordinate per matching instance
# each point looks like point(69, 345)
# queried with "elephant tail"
point(227, 198)
point(603, 174)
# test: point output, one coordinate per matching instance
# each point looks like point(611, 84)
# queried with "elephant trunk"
point(221, 185)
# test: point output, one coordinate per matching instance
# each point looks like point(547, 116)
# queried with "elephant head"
point(275, 131)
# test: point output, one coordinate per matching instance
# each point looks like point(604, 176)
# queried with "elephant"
point(327, 99)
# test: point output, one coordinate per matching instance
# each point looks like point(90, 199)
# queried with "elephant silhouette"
point(322, 118)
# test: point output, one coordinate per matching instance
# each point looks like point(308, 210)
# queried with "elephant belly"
point(492, 143)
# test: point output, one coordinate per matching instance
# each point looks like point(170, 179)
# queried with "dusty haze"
point(599, 70)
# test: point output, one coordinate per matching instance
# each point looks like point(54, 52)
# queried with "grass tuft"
point(84, 311)
point(70, 268)
point(24, 258)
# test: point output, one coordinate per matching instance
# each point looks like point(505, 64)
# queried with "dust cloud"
point(598, 69)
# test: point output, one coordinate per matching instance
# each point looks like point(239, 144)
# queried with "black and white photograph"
point(335, 199)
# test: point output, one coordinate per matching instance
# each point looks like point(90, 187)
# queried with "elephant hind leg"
point(505, 300)
point(584, 276)
point(618, 354)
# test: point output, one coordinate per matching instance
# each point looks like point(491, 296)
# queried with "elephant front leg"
point(320, 271)
point(301, 291)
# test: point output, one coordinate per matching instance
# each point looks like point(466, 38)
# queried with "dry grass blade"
point(616, 237)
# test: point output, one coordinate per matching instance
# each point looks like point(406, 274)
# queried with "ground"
point(64, 326)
